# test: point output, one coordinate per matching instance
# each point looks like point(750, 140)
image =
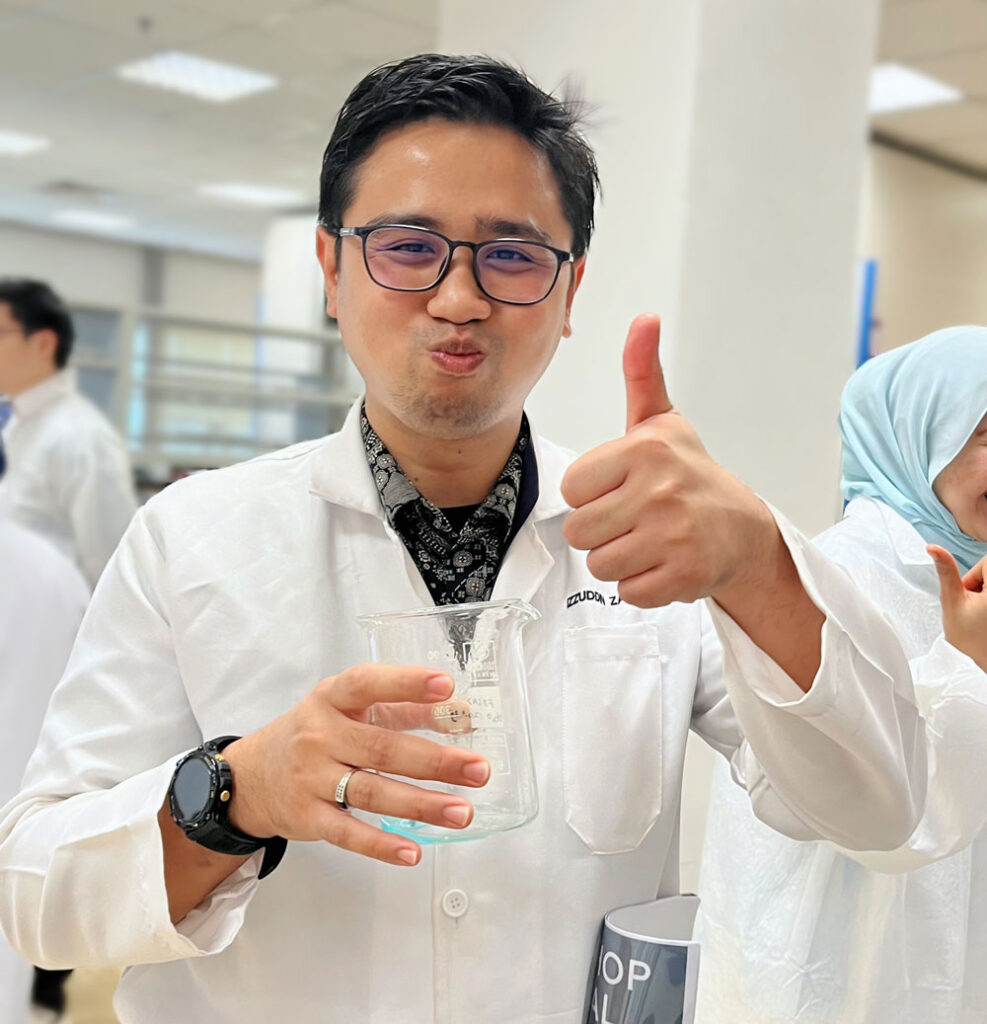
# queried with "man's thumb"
point(951, 589)
point(643, 377)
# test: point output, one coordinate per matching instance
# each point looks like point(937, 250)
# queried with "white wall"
point(79, 268)
point(99, 271)
point(210, 287)
point(291, 282)
point(927, 228)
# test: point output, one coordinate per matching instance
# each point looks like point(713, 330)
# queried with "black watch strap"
point(222, 836)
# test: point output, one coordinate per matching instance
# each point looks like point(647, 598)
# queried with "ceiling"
point(119, 147)
point(128, 149)
point(948, 40)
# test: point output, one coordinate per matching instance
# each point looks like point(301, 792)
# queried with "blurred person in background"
point(42, 599)
point(66, 474)
point(804, 932)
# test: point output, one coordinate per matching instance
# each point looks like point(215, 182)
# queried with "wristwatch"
point(199, 800)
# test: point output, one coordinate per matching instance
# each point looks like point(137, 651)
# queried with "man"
point(42, 599)
point(67, 474)
point(456, 209)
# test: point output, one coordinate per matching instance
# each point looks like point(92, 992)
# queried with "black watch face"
point(191, 789)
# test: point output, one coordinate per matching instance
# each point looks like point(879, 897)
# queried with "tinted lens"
point(405, 257)
point(517, 271)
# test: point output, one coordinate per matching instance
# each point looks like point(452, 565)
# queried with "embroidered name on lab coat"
point(592, 595)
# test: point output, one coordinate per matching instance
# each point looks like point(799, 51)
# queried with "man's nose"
point(458, 297)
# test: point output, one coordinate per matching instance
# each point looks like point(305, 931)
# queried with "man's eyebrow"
point(417, 220)
point(492, 227)
point(500, 227)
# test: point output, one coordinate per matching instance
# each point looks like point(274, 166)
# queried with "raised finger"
point(349, 833)
point(643, 376)
point(381, 795)
point(360, 686)
point(449, 717)
point(951, 589)
point(414, 757)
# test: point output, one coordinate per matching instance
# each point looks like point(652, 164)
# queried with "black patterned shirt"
point(458, 560)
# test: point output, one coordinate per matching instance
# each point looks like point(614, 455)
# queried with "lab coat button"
point(455, 903)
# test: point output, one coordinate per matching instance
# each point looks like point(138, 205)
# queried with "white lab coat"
point(801, 933)
point(42, 598)
point(235, 591)
point(68, 476)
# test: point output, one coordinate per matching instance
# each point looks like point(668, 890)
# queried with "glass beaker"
point(479, 646)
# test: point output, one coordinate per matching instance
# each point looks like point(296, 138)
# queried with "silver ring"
point(341, 789)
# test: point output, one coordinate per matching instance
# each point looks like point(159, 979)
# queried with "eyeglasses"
point(404, 258)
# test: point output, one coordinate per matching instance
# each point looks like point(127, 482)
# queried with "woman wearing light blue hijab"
point(805, 933)
point(905, 416)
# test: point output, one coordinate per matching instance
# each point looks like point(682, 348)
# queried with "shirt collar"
point(396, 490)
point(458, 562)
point(340, 475)
point(58, 385)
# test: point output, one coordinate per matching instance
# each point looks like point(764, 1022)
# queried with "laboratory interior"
point(796, 188)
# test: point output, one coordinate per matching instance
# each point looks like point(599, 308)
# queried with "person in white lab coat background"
point(42, 600)
point(67, 475)
point(801, 933)
point(456, 210)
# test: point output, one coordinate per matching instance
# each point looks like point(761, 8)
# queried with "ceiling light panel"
point(16, 144)
point(204, 79)
point(897, 87)
point(92, 220)
point(253, 195)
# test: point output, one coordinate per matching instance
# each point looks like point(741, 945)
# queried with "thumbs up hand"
point(653, 510)
point(644, 381)
point(964, 604)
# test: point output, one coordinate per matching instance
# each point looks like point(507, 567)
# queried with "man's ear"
point(45, 343)
point(578, 267)
point(325, 251)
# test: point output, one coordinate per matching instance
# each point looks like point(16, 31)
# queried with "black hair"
point(473, 89)
point(36, 307)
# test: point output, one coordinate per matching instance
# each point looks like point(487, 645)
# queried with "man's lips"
point(453, 360)
point(457, 356)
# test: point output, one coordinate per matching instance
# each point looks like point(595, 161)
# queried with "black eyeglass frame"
point(562, 257)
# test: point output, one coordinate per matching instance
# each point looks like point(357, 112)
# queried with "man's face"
point(24, 358)
point(450, 362)
point(962, 485)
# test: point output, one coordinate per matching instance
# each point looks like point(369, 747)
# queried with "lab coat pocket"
point(612, 734)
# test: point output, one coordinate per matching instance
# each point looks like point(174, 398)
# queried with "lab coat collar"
point(59, 384)
point(340, 474)
point(907, 543)
point(910, 547)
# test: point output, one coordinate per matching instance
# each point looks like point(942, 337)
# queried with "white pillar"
point(293, 296)
point(640, 100)
point(291, 282)
point(730, 138)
